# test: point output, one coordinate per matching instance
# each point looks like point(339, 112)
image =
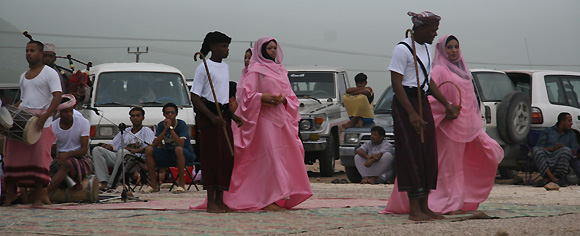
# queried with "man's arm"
point(355, 90)
point(205, 111)
point(450, 109)
point(63, 156)
point(56, 98)
point(397, 82)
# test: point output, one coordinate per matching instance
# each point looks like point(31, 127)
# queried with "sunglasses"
point(170, 112)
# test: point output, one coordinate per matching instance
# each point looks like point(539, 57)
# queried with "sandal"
point(336, 181)
point(540, 183)
point(562, 183)
point(179, 190)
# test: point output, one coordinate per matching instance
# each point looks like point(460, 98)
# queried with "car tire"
point(326, 157)
point(352, 174)
point(514, 117)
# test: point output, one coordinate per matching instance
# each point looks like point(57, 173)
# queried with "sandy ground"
point(503, 192)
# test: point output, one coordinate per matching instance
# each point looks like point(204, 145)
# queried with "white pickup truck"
point(120, 86)
point(319, 90)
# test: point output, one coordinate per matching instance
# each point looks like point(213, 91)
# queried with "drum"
point(5, 118)
point(88, 193)
point(24, 126)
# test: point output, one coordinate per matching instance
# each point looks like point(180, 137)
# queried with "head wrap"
point(258, 62)
point(442, 59)
point(211, 38)
point(265, 50)
point(424, 18)
point(67, 104)
point(49, 47)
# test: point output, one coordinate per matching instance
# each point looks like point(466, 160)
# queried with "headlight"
point(351, 138)
point(305, 125)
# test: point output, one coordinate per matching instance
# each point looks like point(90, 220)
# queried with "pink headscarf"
point(258, 63)
point(68, 104)
point(441, 58)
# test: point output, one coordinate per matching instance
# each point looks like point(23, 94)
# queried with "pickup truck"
point(319, 90)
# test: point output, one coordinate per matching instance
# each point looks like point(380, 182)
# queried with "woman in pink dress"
point(468, 157)
point(269, 171)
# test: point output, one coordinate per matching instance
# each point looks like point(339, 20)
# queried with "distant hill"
point(12, 60)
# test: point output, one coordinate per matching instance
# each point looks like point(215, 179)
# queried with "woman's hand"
point(270, 99)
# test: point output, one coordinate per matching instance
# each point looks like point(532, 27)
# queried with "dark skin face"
point(219, 51)
point(33, 54)
point(376, 138)
point(48, 58)
point(136, 118)
point(426, 33)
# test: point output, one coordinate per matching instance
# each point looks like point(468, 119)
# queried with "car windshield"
point(314, 84)
point(493, 86)
point(383, 106)
point(140, 88)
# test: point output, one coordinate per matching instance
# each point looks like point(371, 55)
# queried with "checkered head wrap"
point(424, 18)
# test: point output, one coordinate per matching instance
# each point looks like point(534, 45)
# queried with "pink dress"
point(268, 156)
point(467, 156)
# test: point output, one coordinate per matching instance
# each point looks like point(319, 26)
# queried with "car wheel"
point(514, 117)
point(326, 159)
point(352, 174)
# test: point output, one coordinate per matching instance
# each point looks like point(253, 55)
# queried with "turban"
point(49, 47)
point(67, 104)
point(424, 18)
point(211, 38)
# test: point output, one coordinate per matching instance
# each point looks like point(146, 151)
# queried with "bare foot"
point(226, 208)
point(365, 180)
point(37, 203)
point(273, 207)
point(458, 212)
point(213, 208)
point(433, 215)
point(359, 123)
point(9, 199)
point(419, 216)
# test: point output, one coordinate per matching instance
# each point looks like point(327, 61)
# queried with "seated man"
point(132, 144)
point(358, 102)
point(171, 147)
point(554, 150)
point(71, 146)
point(374, 159)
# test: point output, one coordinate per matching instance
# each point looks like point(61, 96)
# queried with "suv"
point(319, 90)
point(352, 138)
point(508, 117)
point(120, 86)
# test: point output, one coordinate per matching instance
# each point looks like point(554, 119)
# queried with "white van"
point(117, 87)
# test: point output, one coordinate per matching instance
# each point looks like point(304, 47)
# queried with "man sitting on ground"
point(132, 144)
point(171, 147)
point(358, 102)
point(71, 146)
point(374, 159)
point(554, 150)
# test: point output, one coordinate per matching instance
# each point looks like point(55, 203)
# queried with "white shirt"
point(133, 140)
point(404, 64)
point(37, 92)
point(220, 76)
point(70, 139)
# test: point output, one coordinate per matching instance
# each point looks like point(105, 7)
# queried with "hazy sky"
point(357, 35)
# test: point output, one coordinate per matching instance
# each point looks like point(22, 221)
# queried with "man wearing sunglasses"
point(171, 147)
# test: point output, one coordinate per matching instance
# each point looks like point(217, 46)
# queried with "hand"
point(61, 157)
point(167, 123)
point(370, 162)
point(41, 119)
point(558, 146)
point(217, 121)
point(108, 147)
point(238, 120)
point(270, 99)
point(417, 122)
point(452, 111)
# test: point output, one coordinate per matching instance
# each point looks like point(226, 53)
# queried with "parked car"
point(319, 90)
point(120, 86)
point(508, 117)
point(10, 93)
point(352, 138)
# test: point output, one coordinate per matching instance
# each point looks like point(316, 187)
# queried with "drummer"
point(71, 147)
point(28, 165)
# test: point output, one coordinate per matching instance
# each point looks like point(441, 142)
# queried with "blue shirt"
point(550, 137)
point(181, 131)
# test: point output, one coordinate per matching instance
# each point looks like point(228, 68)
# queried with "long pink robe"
point(468, 157)
point(268, 154)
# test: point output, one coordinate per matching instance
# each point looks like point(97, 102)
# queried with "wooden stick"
point(418, 83)
point(214, 98)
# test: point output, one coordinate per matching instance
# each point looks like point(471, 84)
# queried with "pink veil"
point(458, 66)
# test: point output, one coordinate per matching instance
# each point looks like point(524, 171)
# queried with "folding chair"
point(188, 174)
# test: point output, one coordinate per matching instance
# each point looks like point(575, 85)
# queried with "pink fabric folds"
point(269, 156)
point(467, 156)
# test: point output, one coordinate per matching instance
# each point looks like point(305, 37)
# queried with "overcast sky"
point(357, 35)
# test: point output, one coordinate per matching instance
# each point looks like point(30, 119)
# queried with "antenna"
point(137, 52)
point(528, 52)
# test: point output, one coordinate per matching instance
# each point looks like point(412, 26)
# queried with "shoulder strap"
point(420, 63)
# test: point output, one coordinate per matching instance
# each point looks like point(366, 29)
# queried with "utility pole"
point(137, 52)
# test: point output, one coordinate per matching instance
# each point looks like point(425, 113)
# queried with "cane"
point(418, 83)
point(26, 34)
point(214, 98)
